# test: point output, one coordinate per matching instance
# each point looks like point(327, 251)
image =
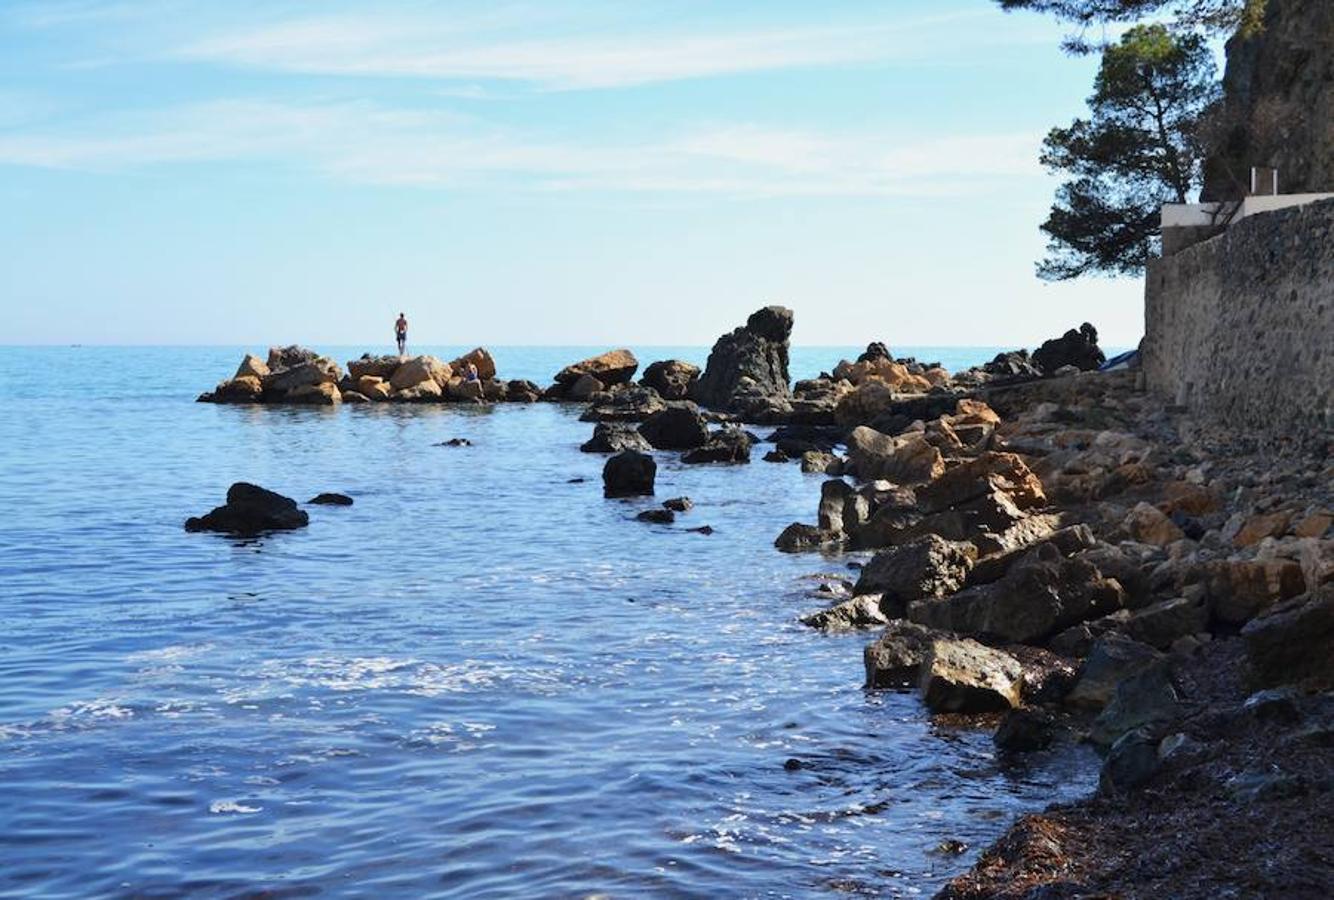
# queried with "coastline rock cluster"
point(1065, 552)
point(297, 375)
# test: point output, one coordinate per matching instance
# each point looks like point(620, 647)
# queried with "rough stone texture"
point(859, 612)
point(1238, 328)
point(1292, 642)
point(613, 437)
point(678, 427)
point(728, 445)
point(1041, 594)
point(1280, 86)
point(928, 567)
point(753, 356)
point(1114, 657)
point(894, 660)
point(612, 367)
point(961, 675)
point(1074, 348)
point(908, 459)
point(671, 378)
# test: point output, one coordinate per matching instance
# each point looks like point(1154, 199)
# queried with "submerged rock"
point(251, 510)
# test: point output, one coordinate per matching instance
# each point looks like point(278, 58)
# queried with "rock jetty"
point(297, 375)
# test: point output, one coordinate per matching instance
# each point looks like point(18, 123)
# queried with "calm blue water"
point(479, 681)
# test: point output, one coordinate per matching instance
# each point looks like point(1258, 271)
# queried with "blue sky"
point(542, 172)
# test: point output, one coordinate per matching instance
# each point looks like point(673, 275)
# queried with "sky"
point(554, 172)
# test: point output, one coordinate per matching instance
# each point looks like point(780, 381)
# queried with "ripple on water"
point(478, 681)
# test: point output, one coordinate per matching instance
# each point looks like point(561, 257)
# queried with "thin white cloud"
point(366, 144)
point(581, 54)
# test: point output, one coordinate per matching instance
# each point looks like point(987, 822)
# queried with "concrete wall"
point(1240, 328)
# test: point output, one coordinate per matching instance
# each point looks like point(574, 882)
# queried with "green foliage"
point(1136, 151)
point(1226, 16)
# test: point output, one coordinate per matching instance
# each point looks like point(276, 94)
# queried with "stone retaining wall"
point(1240, 328)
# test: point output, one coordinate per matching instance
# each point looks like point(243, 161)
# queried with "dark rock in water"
point(658, 516)
point(251, 510)
point(629, 474)
point(1074, 348)
point(894, 660)
point(817, 437)
point(752, 359)
point(730, 445)
point(576, 480)
point(615, 437)
point(874, 351)
point(521, 391)
point(678, 427)
point(777, 456)
point(792, 765)
point(632, 405)
point(858, 612)
point(679, 504)
point(330, 499)
point(927, 567)
point(1025, 730)
point(963, 676)
point(671, 378)
point(805, 537)
point(702, 529)
point(455, 442)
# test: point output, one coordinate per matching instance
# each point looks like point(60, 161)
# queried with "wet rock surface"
point(251, 510)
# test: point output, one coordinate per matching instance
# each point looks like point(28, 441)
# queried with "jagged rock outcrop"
point(671, 378)
point(747, 369)
point(606, 369)
point(1074, 348)
point(1278, 107)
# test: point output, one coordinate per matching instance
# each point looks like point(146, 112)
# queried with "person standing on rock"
point(401, 333)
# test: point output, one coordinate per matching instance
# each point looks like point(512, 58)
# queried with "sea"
point(483, 679)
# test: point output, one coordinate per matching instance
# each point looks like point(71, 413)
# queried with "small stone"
point(679, 504)
point(657, 516)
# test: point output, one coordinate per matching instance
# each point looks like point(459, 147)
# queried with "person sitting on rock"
point(471, 373)
point(401, 333)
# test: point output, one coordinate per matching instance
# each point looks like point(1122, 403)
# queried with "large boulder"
point(1239, 590)
point(382, 367)
point(752, 359)
point(1005, 472)
point(680, 426)
point(615, 437)
point(1294, 641)
point(479, 357)
point(612, 367)
point(629, 474)
point(908, 459)
point(1074, 348)
point(1041, 594)
point(323, 394)
point(672, 378)
point(241, 389)
point(251, 510)
point(1114, 658)
point(318, 371)
point(960, 675)
point(894, 660)
point(289, 357)
point(927, 567)
point(419, 369)
point(727, 445)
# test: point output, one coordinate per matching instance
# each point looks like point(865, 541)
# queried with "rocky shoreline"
point(1043, 547)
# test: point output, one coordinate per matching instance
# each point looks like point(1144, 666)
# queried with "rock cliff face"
point(1279, 97)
